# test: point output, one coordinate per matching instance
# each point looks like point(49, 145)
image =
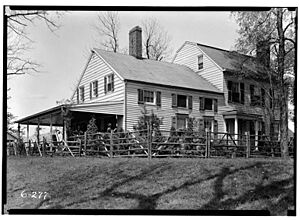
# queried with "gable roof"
point(156, 72)
point(231, 61)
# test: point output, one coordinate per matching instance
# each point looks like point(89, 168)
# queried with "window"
point(208, 123)
point(200, 62)
point(208, 103)
point(236, 92)
point(180, 121)
point(81, 91)
point(256, 96)
point(109, 83)
point(182, 101)
point(95, 88)
point(147, 96)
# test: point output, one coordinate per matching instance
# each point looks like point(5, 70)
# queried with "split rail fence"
point(155, 144)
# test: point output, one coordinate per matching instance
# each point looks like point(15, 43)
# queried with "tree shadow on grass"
point(149, 202)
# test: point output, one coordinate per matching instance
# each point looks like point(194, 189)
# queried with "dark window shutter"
point(242, 92)
point(105, 84)
point(229, 87)
point(201, 104)
point(174, 122)
point(216, 105)
point(77, 95)
point(97, 88)
point(190, 102)
point(140, 96)
point(201, 125)
point(112, 83)
point(215, 126)
point(174, 100)
point(158, 98)
point(91, 90)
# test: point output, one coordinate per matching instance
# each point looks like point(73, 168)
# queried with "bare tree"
point(18, 41)
point(156, 40)
point(108, 26)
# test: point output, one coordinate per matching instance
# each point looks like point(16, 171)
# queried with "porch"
point(73, 119)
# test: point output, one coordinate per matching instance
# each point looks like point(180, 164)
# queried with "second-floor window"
point(208, 104)
point(200, 62)
point(236, 92)
point(81, 93)
point(182, 101)
point(148, 96)
point(94, 89)
point(257, 96)
point(109, 83)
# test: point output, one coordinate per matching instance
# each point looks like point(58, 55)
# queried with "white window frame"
point(154, 96)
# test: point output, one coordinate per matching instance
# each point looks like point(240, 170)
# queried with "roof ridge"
point(217, 48)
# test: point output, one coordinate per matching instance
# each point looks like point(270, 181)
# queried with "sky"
point(63, 55)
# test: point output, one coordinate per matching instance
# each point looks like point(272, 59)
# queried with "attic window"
point(200, 62)
point(109, 83)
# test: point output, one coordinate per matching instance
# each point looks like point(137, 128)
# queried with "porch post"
point(16, 146)
point(236, 130)
point(51, 132)
point(27, 132)
point(256, 134)
point(38, 132)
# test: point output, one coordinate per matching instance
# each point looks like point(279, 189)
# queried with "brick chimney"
point(263, 52)
point(135, 42)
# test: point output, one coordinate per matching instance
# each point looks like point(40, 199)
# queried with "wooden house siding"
point(188, 56)
point(166, 111)
point(246, 107)
point(97, 70)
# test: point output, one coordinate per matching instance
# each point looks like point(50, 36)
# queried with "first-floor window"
point(181, 121)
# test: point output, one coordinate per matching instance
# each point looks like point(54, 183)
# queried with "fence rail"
point(164, 143)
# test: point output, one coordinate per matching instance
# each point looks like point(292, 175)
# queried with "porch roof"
point(55, 115)
point(240, 115)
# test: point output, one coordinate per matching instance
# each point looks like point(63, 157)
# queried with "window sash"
point(182, 101)
point(200, 62)
point(95, 88)
point(208, 104)
point(148, 96)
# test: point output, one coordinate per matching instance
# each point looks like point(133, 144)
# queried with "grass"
point(206, 184)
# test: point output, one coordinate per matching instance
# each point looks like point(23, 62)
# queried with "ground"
point(207, 184)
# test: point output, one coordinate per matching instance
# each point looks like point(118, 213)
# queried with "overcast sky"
point(64, 54)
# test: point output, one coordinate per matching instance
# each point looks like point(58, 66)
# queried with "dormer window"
point(200, 62)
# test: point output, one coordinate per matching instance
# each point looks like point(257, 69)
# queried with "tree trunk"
point(283, 90)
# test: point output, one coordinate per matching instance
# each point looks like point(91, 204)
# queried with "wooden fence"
point(164, 143)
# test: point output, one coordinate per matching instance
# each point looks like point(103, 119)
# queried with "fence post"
point(111, 145)
point(150, 143)
point(80, 147)
point(207, 152)
point(247, 144)
point(85, 141)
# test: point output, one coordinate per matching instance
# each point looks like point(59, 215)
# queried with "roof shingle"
point(157, 72)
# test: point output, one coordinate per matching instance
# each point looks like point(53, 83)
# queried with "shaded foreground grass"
point(210, 184)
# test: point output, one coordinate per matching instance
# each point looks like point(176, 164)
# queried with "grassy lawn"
point(93, 183)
